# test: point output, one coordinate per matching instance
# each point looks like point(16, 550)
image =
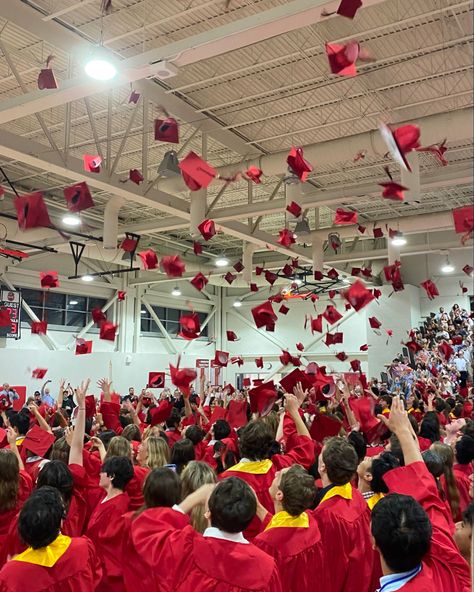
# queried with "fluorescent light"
point(100, 69)
point(447, 267)
point(143, 311)
point(71, 220)
point(176, 291)
point(399, 240)
point(87, 278)
point(237, 303)
point(221, 262)
point(73, 302)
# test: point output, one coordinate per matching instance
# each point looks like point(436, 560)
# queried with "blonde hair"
point(158, 452)
point(195, 474)
point(119, 446)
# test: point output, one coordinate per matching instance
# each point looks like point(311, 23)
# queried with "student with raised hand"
point(410, 528)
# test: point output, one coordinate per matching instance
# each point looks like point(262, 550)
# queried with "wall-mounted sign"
point(12, 302)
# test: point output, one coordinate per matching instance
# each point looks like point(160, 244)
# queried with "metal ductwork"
point(111, 222)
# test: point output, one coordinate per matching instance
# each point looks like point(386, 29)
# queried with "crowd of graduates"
point(368, 486)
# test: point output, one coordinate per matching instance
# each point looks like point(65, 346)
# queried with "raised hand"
point(11, 437)
point(104, 384)
point(291, 402)
point(398, 420)
point(300, 394)
point(81, 393)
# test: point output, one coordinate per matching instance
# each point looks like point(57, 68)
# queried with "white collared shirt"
point(216, 533)
point(396, 581)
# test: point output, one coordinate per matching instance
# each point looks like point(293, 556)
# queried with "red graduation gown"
point(77, 570)
point(345, 529)
point(106, 531)
point(443, 568)
point(298, 549)
point(134, 488)
point(185, 561)
point(10, 517)
point(462, 475)
point(173, 436)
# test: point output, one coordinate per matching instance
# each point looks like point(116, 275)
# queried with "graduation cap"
point(190, 326)
point(430, 288)
point(463, 219)
point(318, 275)
point(246, 382)
point(355, 365)
point(342, 58)
point(98, 315)
point(231, 336)
point(108, 331)
point(331, 294)
point(445, 350)
point(135, 176)
point(345, 217)
point(253, 287)
point(46, 78)
point(91, 163)
point(253, 173)
point(237, 360)
point(394, 276)
point(230, 277)
point(38, 441)
point(285, 358)
point(298, 165)
point(39, 327)
point(438, 150)
point(199, 281)
point(331, 314)
point(366, 272)
point(182, 378)
point(358, 296)
point(378, 233)
point(361, 228)
point(393, 190)
point(342, 356)
point(196, 172)
point(286, 238)
point(156, 380)
point(83, 347)
point(31, 211)
point(400, 141)
point(90, 406)
point(149, 259)
point(287, 270)
point(39, 373)
point(323, 385)
point(332, 274)
point(259, 362)
point(283, 309)
point(324, 427)
point(374, 322)
point(413, 346)
point(49, 279)
point(333, 338)
point(134, 97)
point(160, 413)
point(238, 266)
point(363, 409)
point(270, 277)
point(456, 339)
point(172, 266)
point(167, 130)
point(78, 197)
point(294, 209)
point(262, 398)
point(207, 228)
point(121, 295)
point(300, 346)
point(377, 293)
point(468, 269)
point(355, 271)
point(348, 8)
point(221, 358)
point(130, 242)
point(197, 248)
point(317, 324)
point(289, 381)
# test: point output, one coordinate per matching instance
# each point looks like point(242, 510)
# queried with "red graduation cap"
point(121, 295)
point(317, 324)
point(366, 272)
point(358, 295)
point(258, 270)
point(39, 327)
point(197, 173)
point(342, 58)
point(413, 346)
point(253, 287)
point(46, 78)
point(361, 229)
point(182, 378)
point(283, 309)
point(294, 209)
point(331, 294)
point(355, 271)
point(348, 8)
point(90, 406)
point(363, 409)
point(253, 173)
point(286, 238)
point(324, 427)
point(400, 141)
point(378, 233)
point(299, 346)
point(331, 314)
point(108, 331)
point(31, 211)
point(98, 315)
point(289, 381)
point(207, 228)
point(318, 275)
point(172, 266)
point(270, 277)
point(231, 336)
point(91, 163)
point(264, 315)
point(49, 279)
point(445, 350)
point(246, 382)
point(135, 176)
point(190, 326)
point(345, 217)
point(430, 288)
point(199, 281)
point(78, 197)
point(129, 244)
point(333, 338)
point(134, 97)
point(149, 259)
point(364, 347)
point(464, 219)
point(39, 373)
point(374, 322)
point(464, 290)
point(83, 347)
point(237, 360)
point(342, 356)
point(230, 277)
point(238, 266)
point(285, 358)
point(456, 339)
point(38, 441)
point(259, 362)
point(298, 165)
point(167, 130)
point(156, 380)
point(332, 273)
point(377, 293)
point(221, 358)
point(394, 276)
point(393, 190)
point(324, 385)
point(355, 365)
point(438, 150)
point(197, 248)
point(160, 413)
point(287, 270)
point(262, 398)
point(468, 269)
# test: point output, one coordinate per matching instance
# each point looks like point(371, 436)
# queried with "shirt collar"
point(216, 533)
point(395, 581)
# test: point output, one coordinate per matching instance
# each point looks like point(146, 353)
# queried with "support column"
point(197, 211)
point(247, 261)
point(317, 254)
point(111, 222)
point(393, 252)
point(137, 318)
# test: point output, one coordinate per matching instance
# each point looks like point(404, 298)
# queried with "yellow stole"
point(46, 556)
point(374, 500)
point(283, 519)
point(257, 467)
point(344, 491)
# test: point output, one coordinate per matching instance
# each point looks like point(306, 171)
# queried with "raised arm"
point(11, 437)
point(399, 424)
point(292, 406)
point(43, 424)
point(105, 385)
point(61, 393)
point(77, 444)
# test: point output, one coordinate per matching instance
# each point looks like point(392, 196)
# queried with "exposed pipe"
point(111, 222)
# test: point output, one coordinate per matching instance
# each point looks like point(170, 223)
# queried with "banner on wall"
point(11, 300)
point(21, 391)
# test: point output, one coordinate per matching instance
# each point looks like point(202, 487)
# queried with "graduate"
point(52, 561)
point(462, 469)
point(292, 535)
point(181, 559)
point(463, 533)
point(370, 472)
point(410, 526)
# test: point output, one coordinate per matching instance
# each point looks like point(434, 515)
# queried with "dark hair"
point(340, 459)
point(358, 441)
point(162, 488)
point(120, 469)
point(255, 440)
point(181, 453)
point(402, 531)
point(464, 449)
point(414, 423)
point(430, 427)
point(106, 437)
point(299, 490)
point(57, 474)
point(387, 399)
point(232, 505)
point(386, 462)
point(9, 480)
point(396, 449)
point(451, 490)
point(125, 419)
point(440, 405)
point(20, 421)
point(174, 419)
point(195, 434)
point(40, 518)
point(468, 515)
point(221, 429)
point(225, 458)
point(434, 463)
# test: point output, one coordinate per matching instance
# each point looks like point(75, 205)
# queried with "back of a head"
point(429, 427)
point(106, 437)
point(381, 465)
point(340, 460)
point(20, 421)
point(9, 479)
point(132, 433)
point(195, 434)
point(396, 449)
point(464, 449)
point(120, 469)
point(162, 488)
point(221, 429)
point(182, 453)
point(40, 518)
point(357, 439)
point(195, 474)
point(60, 450)
point(119, 446)
point(434, 463)
point(232, 505)
point(299, 490)
point(174, 419)
point(402, 531)
point(255, 441)
point(158, 452)
point(57, 474)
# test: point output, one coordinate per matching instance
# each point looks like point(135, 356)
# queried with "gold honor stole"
point(257, 467)
point(374, 500)
point(46, 556)
point(344, 491)
point(283, 519)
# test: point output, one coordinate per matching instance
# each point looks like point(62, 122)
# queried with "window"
point(63, 310)
point(170, 319)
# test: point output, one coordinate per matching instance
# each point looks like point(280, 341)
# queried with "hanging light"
point(237, 303)
point(448, 267)
point(169, 166)
point(70, 220)
point(302, 227)
point(399, 239)
point(221, 262)
point(87, 278)
point(176, 291)
point(99, 66)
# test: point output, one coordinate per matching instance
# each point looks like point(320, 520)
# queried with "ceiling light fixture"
point(221, 262)
point(143, 311)
point(302, 227)
point(69, 220)
point(72, 302)
point(176, 291)
point(398, 239)
point(87, 278)
point(237, 303)
point(100, 69)
point(448, 267)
